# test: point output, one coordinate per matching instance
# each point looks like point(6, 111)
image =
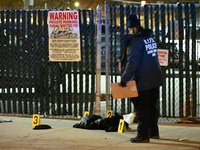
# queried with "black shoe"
point(154, 136)
point(139, 140)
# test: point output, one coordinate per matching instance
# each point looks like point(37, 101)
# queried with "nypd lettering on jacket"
point(151, 46)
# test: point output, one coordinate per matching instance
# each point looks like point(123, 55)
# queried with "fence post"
point(107, 46)
point(98, 62)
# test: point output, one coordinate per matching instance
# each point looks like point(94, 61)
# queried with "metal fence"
point(29, 83)
point(177, 29)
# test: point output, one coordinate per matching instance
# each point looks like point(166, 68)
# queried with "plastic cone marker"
point(86, 113)
point(36, 120)
point(121, 126)
point(109, 114)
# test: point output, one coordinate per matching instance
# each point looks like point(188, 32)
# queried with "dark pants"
point(147, 113)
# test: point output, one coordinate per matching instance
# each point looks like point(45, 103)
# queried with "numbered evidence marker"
point(86, 113)
point(121, 126)
point(36, 120)
point(109, 114)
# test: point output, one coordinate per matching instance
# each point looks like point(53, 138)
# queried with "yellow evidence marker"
point(86, 113)
point(109, 114)
point(121, 126)
point(36, 120)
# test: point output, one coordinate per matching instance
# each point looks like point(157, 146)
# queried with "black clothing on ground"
point(97, 122)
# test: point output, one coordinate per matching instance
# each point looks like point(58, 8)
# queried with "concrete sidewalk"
point(19, 135)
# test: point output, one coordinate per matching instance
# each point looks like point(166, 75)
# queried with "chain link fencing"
point(177, 29)
point(31, 84)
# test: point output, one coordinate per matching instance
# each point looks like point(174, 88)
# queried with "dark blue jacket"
point(142, 63)
point(123, 56)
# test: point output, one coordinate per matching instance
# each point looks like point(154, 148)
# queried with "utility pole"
point(45, 4)
point(98, 63)
point(25, 4)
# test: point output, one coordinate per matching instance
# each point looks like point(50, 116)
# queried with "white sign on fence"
point(64, 36)
point(163, 55)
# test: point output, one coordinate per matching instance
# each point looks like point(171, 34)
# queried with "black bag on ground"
point(88, 122)
point(97, 122)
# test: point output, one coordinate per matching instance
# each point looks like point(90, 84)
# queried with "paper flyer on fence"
point(163, 57)
point(64, 36)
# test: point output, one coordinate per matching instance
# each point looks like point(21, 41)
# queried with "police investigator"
point(141, 64)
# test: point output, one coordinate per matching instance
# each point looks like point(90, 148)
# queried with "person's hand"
point(123, 84)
